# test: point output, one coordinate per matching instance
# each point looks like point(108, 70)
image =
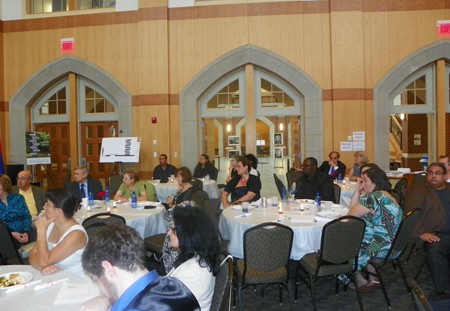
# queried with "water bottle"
point(106, 195)
point(134, 200)
point(318, 201)
point(339, 178)
point(91, 198)
point(284, 195)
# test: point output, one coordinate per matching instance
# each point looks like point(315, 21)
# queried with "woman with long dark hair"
point(195, 237)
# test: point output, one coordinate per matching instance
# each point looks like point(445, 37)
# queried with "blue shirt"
point(16, 214)
point(134, 290)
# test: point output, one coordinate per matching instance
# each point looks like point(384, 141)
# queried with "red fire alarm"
point(154, 120)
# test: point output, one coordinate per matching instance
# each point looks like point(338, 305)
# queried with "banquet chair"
point(221, 299)
point(337, 193)
point(199, 197)
point(279, 184)
point(419, 297)
point(267, 248)
point(150, 189)
point(214, 174)
point(339, 250)
point(292, 176)
point(95, 223)
point(114, 183)
point(197, 183)
point(398, 247)
point(8, 250)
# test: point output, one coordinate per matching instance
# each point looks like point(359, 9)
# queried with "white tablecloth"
point(147, 222)
point(28, 299)
point(165, 190)
point(306, 235)
point(347, 192)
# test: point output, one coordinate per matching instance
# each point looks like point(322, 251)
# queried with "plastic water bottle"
point(318, 201)
point(339, 178)
point(91, 198)
point(134, 200)
point(284, 195)
point(107, 194)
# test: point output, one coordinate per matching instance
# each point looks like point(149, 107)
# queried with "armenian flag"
point(2, 171)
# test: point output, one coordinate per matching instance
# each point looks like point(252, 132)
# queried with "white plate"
point(303, 201)
point(27, 275)
point(145, 203)
point(328, 214)
point(239, 208)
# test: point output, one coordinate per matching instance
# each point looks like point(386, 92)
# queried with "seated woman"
point(196, 239)
point(60, 239)
point(144, 191)
point(360, 159)
point(204, 167)
point(185, 189)
point(382, 216)
point(14, 211)
point(243, 187)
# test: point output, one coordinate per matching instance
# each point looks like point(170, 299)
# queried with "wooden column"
point(73, 110)
point(250, 126)
point(441, 89)
point(210, 138)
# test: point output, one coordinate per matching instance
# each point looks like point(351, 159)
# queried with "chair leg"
point(408, 288)
point(313, 296)
point(263, 289)
point(337, 287)
point(382, 286)
point(358, 294)
point(420, 270)
point(410, 253)
point(280, 288)
point(239, 297)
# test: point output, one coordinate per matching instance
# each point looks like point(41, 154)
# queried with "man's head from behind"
point(115, 248)
point(24, 180)
point(436, 175)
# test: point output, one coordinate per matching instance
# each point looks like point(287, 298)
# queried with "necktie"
point(82, 192)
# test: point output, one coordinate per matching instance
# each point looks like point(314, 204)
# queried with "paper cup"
point(328, 205)
point(274, 201)
point(85, 202)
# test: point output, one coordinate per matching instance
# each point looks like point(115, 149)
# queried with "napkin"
point(303, 219)
point(21, 286)
point(50, 283)
point(325, 219)
point(243, 215)
point(76, 293)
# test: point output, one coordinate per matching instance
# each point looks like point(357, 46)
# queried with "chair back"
point(214, 174)
point(67, 178)
point(401, 185)
point(96, 222)
point(267, 247)
point(114, 183)
point(420, 179)
point(279, 184)
point(221, 300)
point(292, 176)
point(150, 190)
point(403, 235)
point(337, 193)
point(8, 248)
point(199, 197)
point(197, 183)
point(341, 240)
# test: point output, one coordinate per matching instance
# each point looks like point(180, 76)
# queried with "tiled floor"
point(266, 169)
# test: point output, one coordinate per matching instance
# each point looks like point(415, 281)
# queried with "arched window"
point(53, 105)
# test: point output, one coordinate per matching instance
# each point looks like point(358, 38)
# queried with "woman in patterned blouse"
point(14, 211)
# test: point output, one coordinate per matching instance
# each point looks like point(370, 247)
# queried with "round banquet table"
point(28, 299)
point(307, 234)
point(167, 189)
point(147, 222)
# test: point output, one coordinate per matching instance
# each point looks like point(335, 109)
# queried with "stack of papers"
point(76, 293)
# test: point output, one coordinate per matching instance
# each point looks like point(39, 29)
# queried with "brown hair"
point(132, 173)
point(185, 173)
point(5, 181)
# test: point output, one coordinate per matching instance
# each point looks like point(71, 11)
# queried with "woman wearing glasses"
point(244, 187)
point(14, 211)
point(144, 191)
point(60, 239)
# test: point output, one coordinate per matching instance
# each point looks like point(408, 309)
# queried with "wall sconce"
point(402, 116)
point(281, 126)
point(228, 127)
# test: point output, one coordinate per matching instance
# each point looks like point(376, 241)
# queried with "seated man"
point(313, 181)
point(433, 228)
point(114, 258)
point(334, 167)
point(34, 196)
point(164, 169)
point(82, 185)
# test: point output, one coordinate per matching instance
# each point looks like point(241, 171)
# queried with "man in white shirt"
point(446, 161)
point(34, 196)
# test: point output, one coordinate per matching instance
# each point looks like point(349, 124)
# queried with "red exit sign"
point(67, 45)
point(443, 27)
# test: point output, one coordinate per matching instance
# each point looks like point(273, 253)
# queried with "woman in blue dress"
point(382, 216)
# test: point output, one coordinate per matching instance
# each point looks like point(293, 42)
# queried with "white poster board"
point(346, 146)
point(120, 149)
point(359, 146)
point(38, 148)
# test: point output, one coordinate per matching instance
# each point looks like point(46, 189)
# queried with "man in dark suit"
point(34, 196)
point(313, 181)
point(334, 167)
point(82, 185)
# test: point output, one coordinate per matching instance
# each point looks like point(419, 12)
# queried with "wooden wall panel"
point(125, 70)
point(152, 3)
point(347, 47)
point(175, 142)
point(153, 57)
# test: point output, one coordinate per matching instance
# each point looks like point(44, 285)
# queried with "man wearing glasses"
point(334, 167)
point(433, 228)
point(34, 196)
point(82, 185)
point(313, 181)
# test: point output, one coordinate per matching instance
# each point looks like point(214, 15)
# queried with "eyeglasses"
point(435, 173)
point(47, 205)
point(307, 165)
point(22, 178)
point(333, 158)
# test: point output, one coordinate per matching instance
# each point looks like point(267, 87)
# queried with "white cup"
point(85, 202)
point(207, 178)
point(274, 201)
point(328, 205)
point(347, 181)
point(245, 207)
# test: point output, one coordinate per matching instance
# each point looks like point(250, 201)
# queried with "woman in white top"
point(196, 238)
point(60, 239)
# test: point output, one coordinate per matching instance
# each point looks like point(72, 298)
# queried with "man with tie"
point(334, 167)
point(82, 185)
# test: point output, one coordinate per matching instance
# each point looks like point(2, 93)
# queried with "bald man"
point(34, 196)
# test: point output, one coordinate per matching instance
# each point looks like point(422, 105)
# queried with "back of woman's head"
point(185, 174)
point(369, 166)
point(379, 178)
point(5, 181)
point(236, 157)
point(197, 236)
point(252, 159)
point(246, 162)
point(63, 199)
